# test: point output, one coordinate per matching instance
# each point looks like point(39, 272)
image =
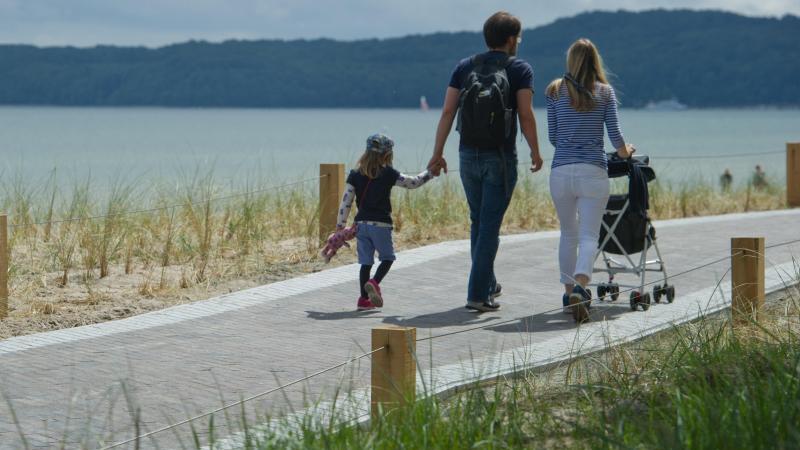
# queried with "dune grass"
point(156, 239)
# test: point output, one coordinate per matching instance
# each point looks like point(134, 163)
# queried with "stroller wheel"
point(657, 293)
point(614, 289)
point(634, 300)
point(645, 301)
point(602, 289)
point(670, 290)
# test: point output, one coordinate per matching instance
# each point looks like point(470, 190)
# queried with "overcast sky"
point(159, 22)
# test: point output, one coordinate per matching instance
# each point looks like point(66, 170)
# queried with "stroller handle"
point(637, 159)
point(618, 167)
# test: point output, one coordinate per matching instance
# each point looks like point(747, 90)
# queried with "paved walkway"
point(84, 386)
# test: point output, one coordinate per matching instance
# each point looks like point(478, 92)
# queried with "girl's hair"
point(371, 162)
point(584, 69)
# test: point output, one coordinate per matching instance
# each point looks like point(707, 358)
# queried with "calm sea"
point(288, 144)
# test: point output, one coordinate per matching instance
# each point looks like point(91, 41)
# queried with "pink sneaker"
point(364, 304)
point(374, 292)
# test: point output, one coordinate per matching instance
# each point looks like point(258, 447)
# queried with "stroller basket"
point(630, 230)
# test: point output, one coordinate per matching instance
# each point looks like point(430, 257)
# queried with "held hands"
point(436, 165)
point(536, 162)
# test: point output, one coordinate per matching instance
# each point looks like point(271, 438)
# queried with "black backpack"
point(484, 115)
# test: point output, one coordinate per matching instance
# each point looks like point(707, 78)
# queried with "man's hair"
point(499, 27)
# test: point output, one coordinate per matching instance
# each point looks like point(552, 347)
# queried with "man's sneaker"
point(579, 302)
point(497, 292)
point(374, 292)
point(565, 304)
point(486, 306)
point(364, 304)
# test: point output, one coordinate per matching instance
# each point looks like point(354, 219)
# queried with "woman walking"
point(578, 106)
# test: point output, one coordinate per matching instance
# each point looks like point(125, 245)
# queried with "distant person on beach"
point(759, 179)
point(726, 180)
point(370, 185)
point(578, 105)
point(487, 91)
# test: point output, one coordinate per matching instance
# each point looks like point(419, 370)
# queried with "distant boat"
point(423, 103)
point(666, 105)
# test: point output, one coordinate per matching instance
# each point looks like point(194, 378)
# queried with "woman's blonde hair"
point(584, 69)
point(371, 162)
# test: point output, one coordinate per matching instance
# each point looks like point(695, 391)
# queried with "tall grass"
point(194, 239)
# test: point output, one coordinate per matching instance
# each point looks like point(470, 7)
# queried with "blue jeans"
point(488, 189)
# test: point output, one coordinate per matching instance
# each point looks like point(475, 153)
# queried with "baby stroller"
point(626, 230)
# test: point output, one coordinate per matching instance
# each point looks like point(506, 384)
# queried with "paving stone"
point(183, 361)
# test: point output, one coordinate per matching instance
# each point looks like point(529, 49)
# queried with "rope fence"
point(399, 345)
point(665, 157)
point(402, 334)
point(321, 177)
point(240, 402)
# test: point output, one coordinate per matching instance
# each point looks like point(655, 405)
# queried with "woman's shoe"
point(579, 302)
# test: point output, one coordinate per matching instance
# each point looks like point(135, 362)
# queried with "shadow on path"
point(450, 318)
point(556, 321)
point(341, 315)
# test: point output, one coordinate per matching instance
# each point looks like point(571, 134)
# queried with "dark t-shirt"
point(520, 76)
point(374, 201)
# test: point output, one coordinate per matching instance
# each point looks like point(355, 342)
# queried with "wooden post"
point(747, 278)
point(3, 266)
point(331, 188)
point(394, 374)
point(793, 174)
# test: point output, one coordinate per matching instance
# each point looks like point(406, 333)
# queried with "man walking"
point(488, 91)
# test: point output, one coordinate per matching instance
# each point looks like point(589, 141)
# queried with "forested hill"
point(702, 59)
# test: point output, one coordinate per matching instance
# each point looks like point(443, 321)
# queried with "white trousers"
point(580, 194)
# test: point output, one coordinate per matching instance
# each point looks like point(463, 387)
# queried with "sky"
point(154, 23)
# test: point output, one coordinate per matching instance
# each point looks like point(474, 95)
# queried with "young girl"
point(371, 186)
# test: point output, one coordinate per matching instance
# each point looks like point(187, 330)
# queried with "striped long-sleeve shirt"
point(578, 136)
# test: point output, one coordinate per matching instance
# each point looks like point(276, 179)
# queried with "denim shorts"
point(372, 238)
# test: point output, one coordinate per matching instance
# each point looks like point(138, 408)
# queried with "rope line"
point(493, 324)
point(794, 241)
point(253, 397)
point(650, 283)
point(541, 313)
point(703, 266)
point(242, 194)
point(733, 155)
point(164, 208)
point(658, 157)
